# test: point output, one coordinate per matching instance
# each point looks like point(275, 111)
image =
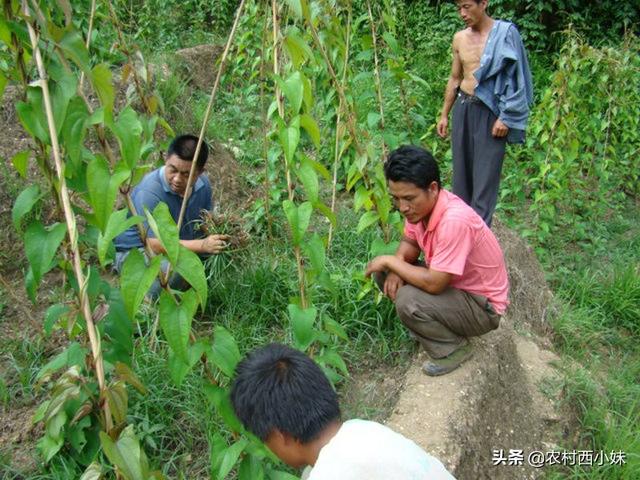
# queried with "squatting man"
point(168, 185)
point(460, 288)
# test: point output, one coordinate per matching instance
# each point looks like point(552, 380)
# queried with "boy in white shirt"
point(285, 399)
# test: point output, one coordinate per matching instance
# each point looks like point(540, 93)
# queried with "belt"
point(465, 97)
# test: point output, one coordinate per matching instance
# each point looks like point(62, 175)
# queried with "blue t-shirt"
point(154, 189)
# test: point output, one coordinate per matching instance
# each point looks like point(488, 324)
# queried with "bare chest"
point(470, 50)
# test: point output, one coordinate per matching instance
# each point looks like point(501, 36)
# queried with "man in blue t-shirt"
point(168, 184)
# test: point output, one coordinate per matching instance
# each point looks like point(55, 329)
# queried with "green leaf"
point(73, 46)
point(31, 115)
point(48, 445)
point(126, 454)
point(302, 322)
point(125, 373)
point(136, 279)
point(175, 321)
point(289, 138)
point(318, 167)
point(74, 129)
point(103, 189)
point(314, 249)
point(391, 42)
point(219, 398)
point(311, 127)
point(373, 120)
point(309, 179)
point(250, 469)
point(3, 84)
point(362, 198)
point(230, 457)
point(300, 8)
point(101, 80)
point(307, 93)
point(92, 472)
point(298, 218)
point(224, 352)
point(73, 355)
point(24, 204)
point(116, 224)
point(52, 315)
point(128, 131)
point(41, 245)
point(62, 91)
point(326, 211)
point(116, 395)
point(178, 369)
point(331, 357)
point(190, 267)
point(20, 162)
point(294, 91)
point(366, 220)
point(379, 247)
point(333, 327)
point(281, 475)
point(299, 51)
point(165, 230)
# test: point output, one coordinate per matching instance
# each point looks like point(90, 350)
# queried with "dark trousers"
point(442, 323)
point(477, 155)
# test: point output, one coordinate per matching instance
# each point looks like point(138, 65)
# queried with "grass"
point(597, 334)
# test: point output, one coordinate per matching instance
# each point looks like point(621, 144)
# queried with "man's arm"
point(455, 78)
point(208, 245)
point(401, 270)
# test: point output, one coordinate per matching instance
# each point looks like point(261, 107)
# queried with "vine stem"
point(350, 118)
point(339, 130)
point(279, 99)
point(71, 222)
point(376, 71)
point(265, 149)
point(207, 114)
point(127, 52)
point(88, 42)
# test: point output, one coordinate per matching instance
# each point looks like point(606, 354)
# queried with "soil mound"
point(201, 64)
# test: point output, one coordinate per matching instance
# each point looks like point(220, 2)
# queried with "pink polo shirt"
point(457, 241)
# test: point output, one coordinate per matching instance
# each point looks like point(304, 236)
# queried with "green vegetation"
point(309, 135)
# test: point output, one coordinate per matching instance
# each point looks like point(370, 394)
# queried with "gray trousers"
point(442, 323)
point(477, 155)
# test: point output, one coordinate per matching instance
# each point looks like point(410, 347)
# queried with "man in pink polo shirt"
point(461, 289)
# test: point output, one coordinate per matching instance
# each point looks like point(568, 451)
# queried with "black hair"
point(277, 387)
point(184, 146)
point(412, 164)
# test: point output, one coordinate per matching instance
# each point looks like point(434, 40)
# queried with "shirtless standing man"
point(490, 90)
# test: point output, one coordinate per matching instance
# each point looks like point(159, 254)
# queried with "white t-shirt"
point(363, 450)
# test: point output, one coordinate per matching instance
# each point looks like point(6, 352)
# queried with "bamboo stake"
point(71, 223)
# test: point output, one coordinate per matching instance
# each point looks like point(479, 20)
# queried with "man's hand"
point(442, 127)
point(214, 243)
point(391, 285)
point(499, 129)
point(378, 264)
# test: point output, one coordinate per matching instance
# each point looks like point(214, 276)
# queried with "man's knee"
point(406, 305)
